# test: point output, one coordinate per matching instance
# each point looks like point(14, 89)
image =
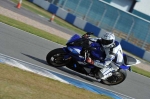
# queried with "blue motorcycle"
point(78, 49)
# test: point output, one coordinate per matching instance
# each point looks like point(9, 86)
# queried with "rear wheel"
point(117, 78)
point(56, 58)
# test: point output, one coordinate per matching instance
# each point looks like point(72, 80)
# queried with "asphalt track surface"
point(33, 49)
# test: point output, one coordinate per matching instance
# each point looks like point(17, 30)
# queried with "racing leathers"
point(113, 53)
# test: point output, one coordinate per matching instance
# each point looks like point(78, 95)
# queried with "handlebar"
point(87, 35)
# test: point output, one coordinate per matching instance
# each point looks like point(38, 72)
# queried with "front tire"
point(56, 58)
point(117, 78)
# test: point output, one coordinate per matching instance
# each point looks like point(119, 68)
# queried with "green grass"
point(141, 71)
point(19, 84)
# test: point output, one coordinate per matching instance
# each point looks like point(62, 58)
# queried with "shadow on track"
point(67, 70)
point(34, 58)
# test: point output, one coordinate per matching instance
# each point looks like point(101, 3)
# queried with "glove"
point(89, 60)
point(85, 36)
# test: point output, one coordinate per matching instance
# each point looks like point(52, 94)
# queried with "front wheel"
point(117, 78)
point(56, 58)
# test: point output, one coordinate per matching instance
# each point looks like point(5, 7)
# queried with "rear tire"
point(117, 78)
point(56, 58)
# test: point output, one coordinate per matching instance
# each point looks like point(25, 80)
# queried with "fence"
point(125, 25)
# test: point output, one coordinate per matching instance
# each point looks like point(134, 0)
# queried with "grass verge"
point(18, 84)
point(32, 30)
point(141, 71)
point(38, 10)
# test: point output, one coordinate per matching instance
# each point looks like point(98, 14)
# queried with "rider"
point(113, 52)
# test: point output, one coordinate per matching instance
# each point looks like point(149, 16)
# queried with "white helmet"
point(108, 39)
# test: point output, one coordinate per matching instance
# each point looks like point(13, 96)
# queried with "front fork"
point(86, 55)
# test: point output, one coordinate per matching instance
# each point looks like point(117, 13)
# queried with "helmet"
point(108, 39)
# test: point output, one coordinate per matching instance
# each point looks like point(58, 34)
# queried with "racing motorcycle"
point(78, 49)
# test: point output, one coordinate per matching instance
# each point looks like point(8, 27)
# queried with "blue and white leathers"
point(113, 52)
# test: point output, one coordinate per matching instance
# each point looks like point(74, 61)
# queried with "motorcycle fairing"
point(124, 66)
point(128, 60)
point(75, 50)
point(73, 38)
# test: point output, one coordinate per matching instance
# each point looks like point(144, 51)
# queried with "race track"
point(33, 49)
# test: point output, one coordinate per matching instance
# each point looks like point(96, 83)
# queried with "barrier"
point(88, 27)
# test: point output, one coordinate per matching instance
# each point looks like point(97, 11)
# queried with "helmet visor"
point(106, 42)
